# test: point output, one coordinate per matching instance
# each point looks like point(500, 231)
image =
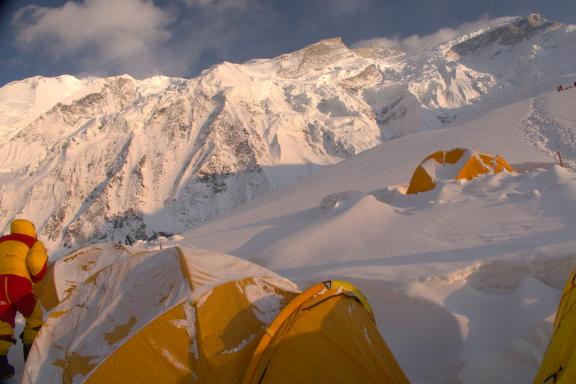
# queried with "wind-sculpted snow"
point(464, 279)
point(103, 158)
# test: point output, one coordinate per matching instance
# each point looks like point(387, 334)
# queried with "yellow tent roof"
point(177, 315)
point(195, 316)
point(559, 363)
point(457, 163)
point(326, 334)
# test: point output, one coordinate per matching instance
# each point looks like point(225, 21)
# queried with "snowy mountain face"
point(100, 158)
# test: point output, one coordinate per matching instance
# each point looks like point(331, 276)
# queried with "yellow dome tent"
point(326, 334)
point(559, 363)
point(458, 163)
point(195, 316)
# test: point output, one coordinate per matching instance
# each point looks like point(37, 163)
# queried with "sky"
point(183, 37)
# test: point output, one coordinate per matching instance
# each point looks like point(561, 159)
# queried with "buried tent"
point(182, 315)
point(458, 163)
point(559, 362)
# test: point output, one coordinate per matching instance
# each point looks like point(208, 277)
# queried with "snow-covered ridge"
point(509, 34)
point(100, 158)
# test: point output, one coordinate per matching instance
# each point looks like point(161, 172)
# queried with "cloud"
point(103, 37)
point(417, 43)
point(183, 37)
point(122, 32)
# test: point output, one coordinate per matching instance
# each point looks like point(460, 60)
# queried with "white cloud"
point(103, 31)
point(106, 37)
point(416, 43)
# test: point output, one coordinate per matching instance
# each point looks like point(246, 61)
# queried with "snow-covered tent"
point(183, 315)
point(73, 269)
point(160, 316)
point(457, 163)
point(559, 363)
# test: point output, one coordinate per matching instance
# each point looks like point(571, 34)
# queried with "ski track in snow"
point(548, 134)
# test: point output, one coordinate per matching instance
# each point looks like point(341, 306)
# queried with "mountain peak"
point(531, 23)
point(375, 50)
point(509, 34)
point(334, 42)
point(117, 155)
point(534, 19)
point(313, 57)
point(326, 47)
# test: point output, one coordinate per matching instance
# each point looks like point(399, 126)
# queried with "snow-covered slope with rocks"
point(100, 158)
point(464, 279)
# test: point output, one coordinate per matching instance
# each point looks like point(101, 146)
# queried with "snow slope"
point(464, 279)
point(100, 158)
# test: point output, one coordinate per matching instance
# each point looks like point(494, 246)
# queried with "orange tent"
point(458, 163)
point(186, 315)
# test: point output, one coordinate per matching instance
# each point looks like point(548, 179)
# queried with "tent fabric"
point(327, 334)
point(457, 163)
point(75, 268)
point(185, 315)
point(559, 362)
point(177, 315)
